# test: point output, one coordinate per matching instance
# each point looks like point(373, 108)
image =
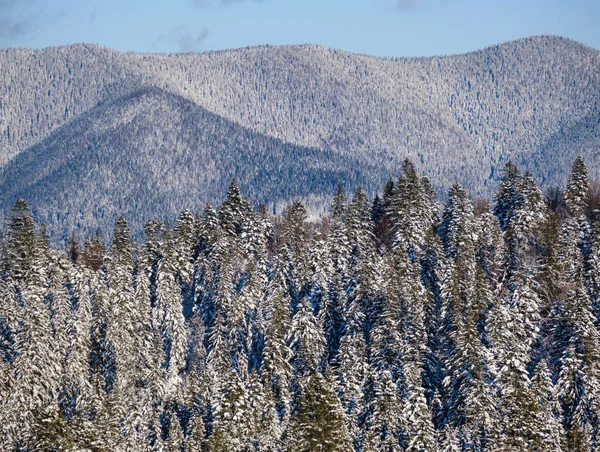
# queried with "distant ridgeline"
point(88, 133)
point(392, 325)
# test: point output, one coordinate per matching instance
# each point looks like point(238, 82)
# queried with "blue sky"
point(378, 27)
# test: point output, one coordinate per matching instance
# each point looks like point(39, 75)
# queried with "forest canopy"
point(392, 324)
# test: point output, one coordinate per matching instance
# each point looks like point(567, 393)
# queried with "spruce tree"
point(549, 434)
point(276, 370)
point(319, 424)
point(410, 211)
point(382, 416)
point(508, 196)
point(169, 309)
point(577, 188)
point(306, 340)
point(121, 312)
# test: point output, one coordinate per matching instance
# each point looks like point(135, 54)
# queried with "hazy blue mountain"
point(152, 153)
point(461, 117)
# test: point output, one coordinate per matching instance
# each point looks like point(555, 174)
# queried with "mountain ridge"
point(458, 118)
point(62, 186)
point(525, 39)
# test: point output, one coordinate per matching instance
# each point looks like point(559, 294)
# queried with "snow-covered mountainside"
point(86, 119)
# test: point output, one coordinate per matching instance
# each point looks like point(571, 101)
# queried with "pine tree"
point(264, 427)
point(523, 234)
point(472, 405)
point(94, 250)
point(121, 315)
point(592, 275)
point(295, 238)
point(449, 441)
point(416, 414)
point(22, 241)
point(551, 274)
point(387, 339)
point(579, 376)
point(351, 371)
point(37, 364)
point(73, 248)
point(338, 205)
point(381, 216)
point(458, 222)
point(174, 441)
point(478, 331)
point(458, 340)
point(578, 344)
point(10, 315)
point(149, 341)
point(196, 432)
point(208, 229)
point(515, 331)
point(184, 245)
point(232, 427)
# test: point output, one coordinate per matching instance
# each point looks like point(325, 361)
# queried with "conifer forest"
point(399, 323)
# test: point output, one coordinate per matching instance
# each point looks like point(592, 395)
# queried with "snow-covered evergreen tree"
point(380, 328)
point(319, 424)
point(169, 310)
point(276, 370)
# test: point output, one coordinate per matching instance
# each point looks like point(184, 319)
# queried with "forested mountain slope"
point(152, 153)
point(392, 325)
point(457, 117)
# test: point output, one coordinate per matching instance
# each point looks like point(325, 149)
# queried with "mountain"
point(80, 108)
point(151, 154)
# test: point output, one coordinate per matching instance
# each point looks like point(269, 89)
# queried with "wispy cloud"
point(411, 5)
point(13, 24)
point(21, 18)
point(93, 15)
point(185, 40)
point(10, 28)
point(407, 5)
point(207, 3)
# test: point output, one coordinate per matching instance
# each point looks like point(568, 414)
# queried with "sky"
point(391, 28)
